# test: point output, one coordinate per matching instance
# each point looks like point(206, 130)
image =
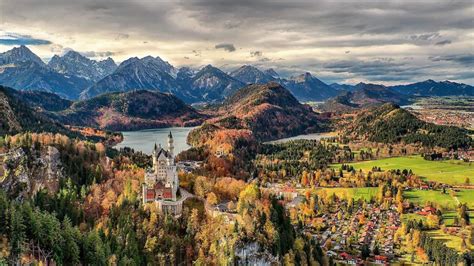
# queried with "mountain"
point(133, 110)
point(251, 75)
point(18, 116)
point(19, 55)
point(272, 73)
point(21, 69)
point(151, 73)
point(306, 87)
point(342, 87)
point(73, 63)
point(44, 101)
point(389, 123)
point(369, 94)
point(34, 76)
point(434, 88)
point(212, 84)
point(267, 111)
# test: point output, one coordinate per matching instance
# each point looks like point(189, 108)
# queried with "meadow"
point(448, 172)
point(365, 193)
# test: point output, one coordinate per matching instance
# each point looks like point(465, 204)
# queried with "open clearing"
point(448, 172)
point(365, 193)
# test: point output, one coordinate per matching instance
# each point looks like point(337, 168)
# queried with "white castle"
point(161, 182)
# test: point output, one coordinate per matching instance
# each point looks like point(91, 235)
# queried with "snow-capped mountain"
point(73, 63)
point(21, 69)
point(19, 55)
point(34, 76)
point(212, 84)
point(134, 73)
point(251, 75)
point(272, 73)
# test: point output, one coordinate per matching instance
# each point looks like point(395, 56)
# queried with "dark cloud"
point(441, 43)
point(463, 59)
point(17, 39)
point(229, 47)
point(377, 69)
point(425, 36)
point(256, 53)
point(122, 36)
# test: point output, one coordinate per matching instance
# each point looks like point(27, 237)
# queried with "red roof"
point(150, 194)
point(380, 258)
point(345, 255)
point(167, 193)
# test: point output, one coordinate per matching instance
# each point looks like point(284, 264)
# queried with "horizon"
point(197, 68)
point(395, 42)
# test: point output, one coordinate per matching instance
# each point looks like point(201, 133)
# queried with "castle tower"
point(170, 144)
point(154, 159)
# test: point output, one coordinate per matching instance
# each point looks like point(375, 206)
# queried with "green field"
point(365, 193)
point(420, 197)
point(445, 201)
point(451, 241)
point(448, 172)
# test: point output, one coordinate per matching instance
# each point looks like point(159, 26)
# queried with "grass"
point(365, 193)
point(420, 197)
point(445, 201)
point(448, 172)
point(451, 241)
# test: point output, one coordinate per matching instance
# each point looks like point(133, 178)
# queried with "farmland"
point(448, 172)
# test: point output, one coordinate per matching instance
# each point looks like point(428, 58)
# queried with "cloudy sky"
point(338, 41)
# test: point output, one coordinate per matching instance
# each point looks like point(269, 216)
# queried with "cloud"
point(463, 59)
point(229, 47)
point(256, 53)
point(97, 54)
point(441, 43)
point(122, 36)
point(18, 39)
point(425, 36)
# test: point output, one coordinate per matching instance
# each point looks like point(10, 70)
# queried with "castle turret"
point(170, 144)
point(154, 159)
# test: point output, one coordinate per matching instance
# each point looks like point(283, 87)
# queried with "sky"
point(388, 42)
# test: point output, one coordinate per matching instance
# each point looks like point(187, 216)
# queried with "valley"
point(150, 164)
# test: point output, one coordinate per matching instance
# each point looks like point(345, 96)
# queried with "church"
point(161, 184)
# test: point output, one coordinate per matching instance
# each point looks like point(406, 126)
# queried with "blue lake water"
point(144, 140)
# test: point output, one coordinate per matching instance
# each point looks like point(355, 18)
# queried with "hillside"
point(363, 95)
point(434, 88)
point(266, 112)
point(130, 111)
point(18, 116)
point(391, 124)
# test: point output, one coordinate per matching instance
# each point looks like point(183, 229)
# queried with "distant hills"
point(75, 76)
point(363, 95)
point(434, 88)
point(389, 123)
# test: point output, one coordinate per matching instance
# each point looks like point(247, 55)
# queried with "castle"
point(161, 184)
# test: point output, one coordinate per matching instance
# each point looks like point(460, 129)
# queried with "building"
point(161, 184)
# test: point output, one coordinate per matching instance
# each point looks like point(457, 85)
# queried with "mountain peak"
point(19, 55)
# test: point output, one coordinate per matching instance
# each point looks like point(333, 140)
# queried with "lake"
point(144, 140)
point(312, 136)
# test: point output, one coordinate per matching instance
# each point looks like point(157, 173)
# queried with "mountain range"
point(74, 76)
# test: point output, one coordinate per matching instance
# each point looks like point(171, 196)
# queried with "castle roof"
point(159, 150)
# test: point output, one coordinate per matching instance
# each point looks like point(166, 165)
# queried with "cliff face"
point(25, 172)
